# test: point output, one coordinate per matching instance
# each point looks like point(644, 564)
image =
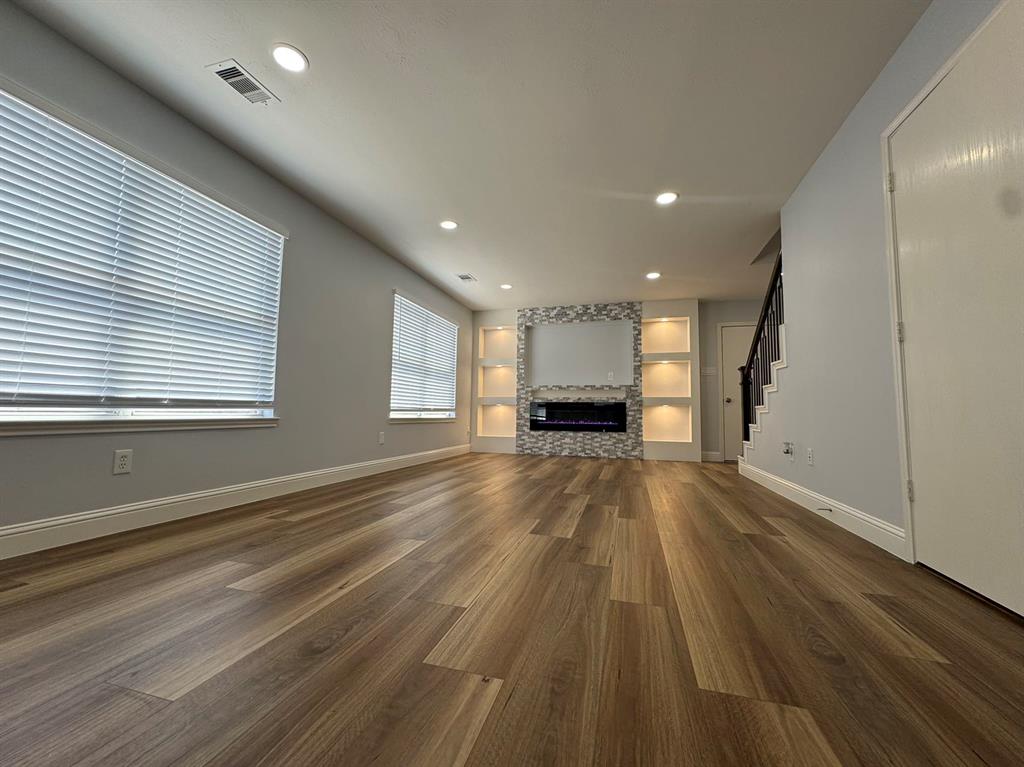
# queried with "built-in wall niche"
point(667, 423)
point(497, 381)
point(666, 335)
point(666, 378)
point(498, 343)
point(496, 421)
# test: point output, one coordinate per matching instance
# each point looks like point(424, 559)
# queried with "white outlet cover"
point(122, 462)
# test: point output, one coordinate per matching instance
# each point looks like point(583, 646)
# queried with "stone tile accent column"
point(628, 444)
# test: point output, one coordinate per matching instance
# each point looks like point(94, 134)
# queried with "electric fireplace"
point(577, 416)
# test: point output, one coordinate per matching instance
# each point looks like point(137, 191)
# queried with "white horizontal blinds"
point(423, 362)
point(120, 285)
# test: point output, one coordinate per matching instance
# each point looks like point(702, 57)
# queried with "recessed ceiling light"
point(666, 198)
point(449, 225)
point(505, 286)
point(653, 275)
point(290, 57)
point(500, 327)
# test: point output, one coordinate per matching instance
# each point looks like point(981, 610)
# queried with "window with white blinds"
point(424, 359)
point(123, 293)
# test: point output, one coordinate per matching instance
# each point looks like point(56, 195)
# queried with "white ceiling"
point(543, 128)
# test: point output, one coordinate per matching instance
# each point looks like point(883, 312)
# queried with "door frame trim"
point(892, 267)
point(721, 383)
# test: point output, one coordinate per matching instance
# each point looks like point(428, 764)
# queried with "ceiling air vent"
point(231, 72)
point(466, 277)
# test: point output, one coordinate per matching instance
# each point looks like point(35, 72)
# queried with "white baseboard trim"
point(27, 537)
point(877, 531)
point(711, 456)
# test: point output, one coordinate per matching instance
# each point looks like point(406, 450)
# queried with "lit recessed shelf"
point(498, 342)
point(665, 335)
point(496, 420)
point(666, 378)
point(665, 422)
point(496, 381)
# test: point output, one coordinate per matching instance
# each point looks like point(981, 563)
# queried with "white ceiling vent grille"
point(466, 277)
point(231, 72)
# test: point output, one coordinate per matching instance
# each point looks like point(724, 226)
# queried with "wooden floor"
point(505, 610)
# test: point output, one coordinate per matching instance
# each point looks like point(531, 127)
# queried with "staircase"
point(758, 376)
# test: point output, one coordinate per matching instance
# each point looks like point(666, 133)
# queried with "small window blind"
point(124, 293)
point(424, 359)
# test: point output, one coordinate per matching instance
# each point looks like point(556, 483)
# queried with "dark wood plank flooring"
point(503, 610)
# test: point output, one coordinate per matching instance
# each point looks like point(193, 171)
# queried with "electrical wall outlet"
point(810, 456)
point(122, 461)
point(380, 438)
point(788, 449)
point(611, 376)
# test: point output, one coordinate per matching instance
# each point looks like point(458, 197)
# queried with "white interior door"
point(736, 340)
point(958, 212)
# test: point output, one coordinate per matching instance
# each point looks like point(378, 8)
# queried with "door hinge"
point(910, 490)
point(892, 182)
point(899, 332)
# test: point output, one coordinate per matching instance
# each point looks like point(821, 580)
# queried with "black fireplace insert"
point(577, 416)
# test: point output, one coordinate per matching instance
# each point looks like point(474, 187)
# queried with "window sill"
point(422, 420)
point(41, 428)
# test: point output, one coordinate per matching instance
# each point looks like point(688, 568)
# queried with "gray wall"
point(711, 313)
point(838, 394)
point(335, 328)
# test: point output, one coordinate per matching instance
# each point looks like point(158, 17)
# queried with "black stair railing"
point(764, 350)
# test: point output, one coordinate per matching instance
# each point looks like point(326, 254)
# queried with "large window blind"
point(124, 293)
point(424, 359)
